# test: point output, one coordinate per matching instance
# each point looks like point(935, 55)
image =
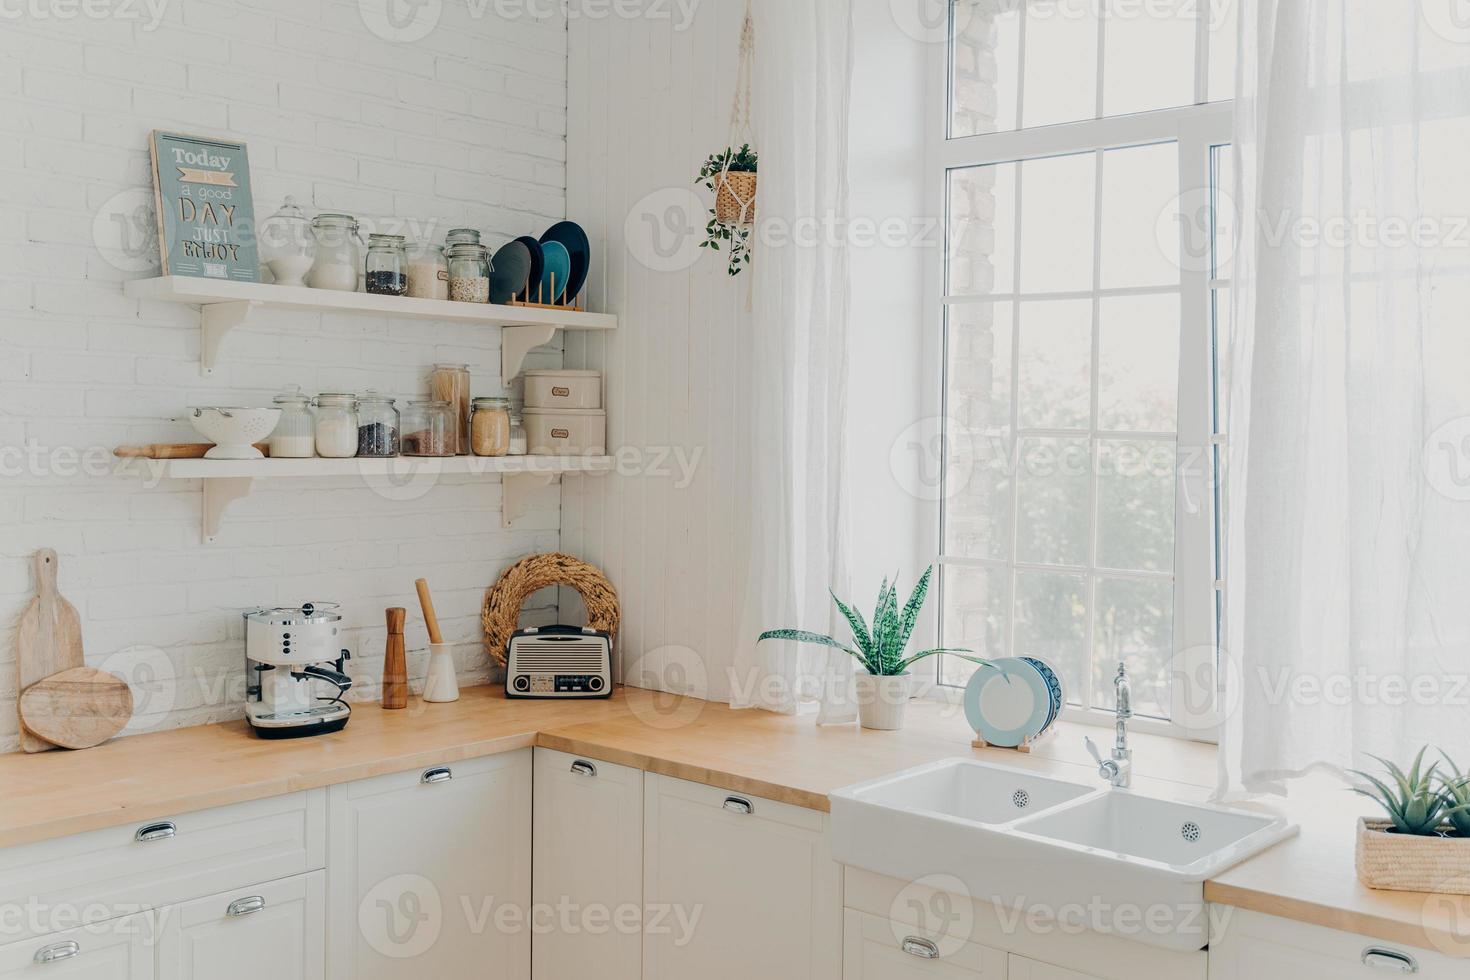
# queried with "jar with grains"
point(294, 436)
point(336, 425)
point(428, 273)
point(338, 262)
point(450, 383)
point(469, 273)
point(426, 428)
point(386, 269)
point(490, 427)
point(519, 444)
point(377, 425)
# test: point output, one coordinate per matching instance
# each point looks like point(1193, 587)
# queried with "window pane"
point(975, 604)
point(977, 516)
point(1140, 203)
point(1135, 505)
point(1057, 201)
point(1135, 626)
point(1051, 622)
point(1223, 45)
point(984, 66)
point(1055, 383)
point(1148, 55)
point(1138, 363)
point(982, 230)
point(1061, 62)
point(1053, 482)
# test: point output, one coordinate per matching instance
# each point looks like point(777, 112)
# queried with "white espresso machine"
point(290, 653)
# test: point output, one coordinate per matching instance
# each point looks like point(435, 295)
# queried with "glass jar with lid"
point(294, 436)
point(377, 425)
point(427, 426)
point(462, 236)
point(338, 255)
point(519, 442)
point(386, 268)
point(469, 273)
point(451, 383)
point(286, 244)
point(428, 272)
point(490, 427)
point(336, 425)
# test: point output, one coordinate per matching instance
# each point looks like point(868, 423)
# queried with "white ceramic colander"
point(234, 430)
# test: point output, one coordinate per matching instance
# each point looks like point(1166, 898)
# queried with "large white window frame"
point(1196, 129)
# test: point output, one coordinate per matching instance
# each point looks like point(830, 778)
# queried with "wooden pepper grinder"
point(395, 662)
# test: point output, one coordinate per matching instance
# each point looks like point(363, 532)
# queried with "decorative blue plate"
point(556, 271)
point(1008, 702)
point(1053, 684)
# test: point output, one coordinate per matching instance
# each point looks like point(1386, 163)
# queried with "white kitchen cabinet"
point(1251, 946)
point(587, 872)
point(276, 930)
point(120, 949)
point(1023, 969)
point(737, 887)
point(429, 873)
point(882, 949)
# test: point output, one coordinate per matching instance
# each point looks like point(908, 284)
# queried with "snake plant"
point(1456, 794)
point(880, 649)
point(1416, 804)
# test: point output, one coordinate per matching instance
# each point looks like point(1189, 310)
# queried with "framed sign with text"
point(206, 219)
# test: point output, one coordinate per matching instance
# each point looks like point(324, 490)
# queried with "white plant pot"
point(882, 700)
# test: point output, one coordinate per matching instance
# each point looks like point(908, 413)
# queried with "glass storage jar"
point(336, 425)
point(519, 444)
point(338, 256)
point(286, 244)
point(428, 272)
point(294, 436)
point(427, 426)
point(386, 269)
point(469, 273)
point(377, 425)
point(450, 383)
point(490, 427)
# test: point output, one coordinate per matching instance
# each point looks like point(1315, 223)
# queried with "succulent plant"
point(1416, 804)
point(1456, 795)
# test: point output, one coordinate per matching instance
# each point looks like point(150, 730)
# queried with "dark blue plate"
point(574, 239)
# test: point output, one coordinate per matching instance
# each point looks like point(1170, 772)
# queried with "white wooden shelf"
point(225, 306)
point(404, 477)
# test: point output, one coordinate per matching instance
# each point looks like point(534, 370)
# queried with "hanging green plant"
point(731, 174)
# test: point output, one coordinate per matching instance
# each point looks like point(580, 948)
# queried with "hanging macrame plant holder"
point(735, 189)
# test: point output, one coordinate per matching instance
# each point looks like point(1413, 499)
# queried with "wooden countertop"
point(146, 777)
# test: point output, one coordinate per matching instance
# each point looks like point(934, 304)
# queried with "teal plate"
point(1008, 702)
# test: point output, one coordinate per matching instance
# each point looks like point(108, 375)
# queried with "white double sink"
point(1047, 850)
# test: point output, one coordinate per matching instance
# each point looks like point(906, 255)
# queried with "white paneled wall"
point(650, 100)
point(465, 125)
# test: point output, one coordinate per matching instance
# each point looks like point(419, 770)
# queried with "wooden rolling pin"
point(395, 662)
point(174, 450)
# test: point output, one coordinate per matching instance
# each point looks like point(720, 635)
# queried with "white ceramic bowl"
point(234, 430)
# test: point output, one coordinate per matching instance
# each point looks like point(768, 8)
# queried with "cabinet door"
point(736, 887)
point(429, 873)
point(121, 949)
point(1252, 946)
point(588, 861)
point(880, 949)
point(1024, 969)
point(275, 930)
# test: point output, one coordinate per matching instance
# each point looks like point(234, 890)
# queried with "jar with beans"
point(377, 425)
point(427, 428)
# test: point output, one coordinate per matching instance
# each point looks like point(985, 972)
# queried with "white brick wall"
point(464, 127)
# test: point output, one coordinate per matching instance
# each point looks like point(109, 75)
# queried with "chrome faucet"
point(1118, 770)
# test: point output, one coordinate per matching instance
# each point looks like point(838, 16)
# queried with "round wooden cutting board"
point(78, 708)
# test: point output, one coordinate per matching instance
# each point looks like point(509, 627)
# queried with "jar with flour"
point(336, 425)
point(338, 262)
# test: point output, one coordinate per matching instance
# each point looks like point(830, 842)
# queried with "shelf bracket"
point(216, 320)
point(516, 491)
point(218, 495)
point(516, 343)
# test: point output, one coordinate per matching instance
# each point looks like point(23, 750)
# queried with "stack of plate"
point(1014, 700)
point(550, 270)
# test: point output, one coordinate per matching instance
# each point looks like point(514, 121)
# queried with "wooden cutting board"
point(48, 639)
point(174, 450)
point(77, 709)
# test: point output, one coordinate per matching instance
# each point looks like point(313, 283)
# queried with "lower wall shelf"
point(225, 481)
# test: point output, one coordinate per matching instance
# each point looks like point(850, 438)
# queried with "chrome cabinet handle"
point(156, 831)
point(737, 804)
point(441, 775)
point(57, 951)
point(584, 768)
point(1389, 959)
point(246, 906)
point(922, 948)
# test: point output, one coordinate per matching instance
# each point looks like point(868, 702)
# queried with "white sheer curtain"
point(1348, 557)
point(792, 375)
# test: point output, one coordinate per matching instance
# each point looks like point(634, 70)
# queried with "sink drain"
point(1021, 799)
point(1190, 832)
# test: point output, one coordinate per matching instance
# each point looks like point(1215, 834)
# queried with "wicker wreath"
point(502, 610)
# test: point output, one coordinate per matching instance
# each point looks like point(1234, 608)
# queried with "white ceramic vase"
point(882, 700)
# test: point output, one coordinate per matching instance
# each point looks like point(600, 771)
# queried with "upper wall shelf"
point(226, 305)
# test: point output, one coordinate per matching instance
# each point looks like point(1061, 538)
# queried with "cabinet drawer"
point(1252, 946)
point(705, 797)
point(92, 877)
point(881, 949)
point(121, 949)
point(276, 930)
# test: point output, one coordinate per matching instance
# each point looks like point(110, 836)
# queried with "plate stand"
point(1027, 746)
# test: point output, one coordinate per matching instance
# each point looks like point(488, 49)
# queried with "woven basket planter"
point(1401, 862)
point(502, 609)
point(735, 198)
